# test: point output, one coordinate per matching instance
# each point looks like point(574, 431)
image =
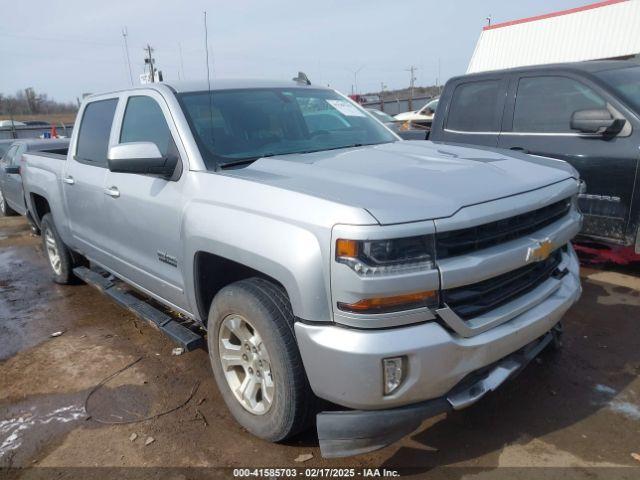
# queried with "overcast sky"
point(65, 48)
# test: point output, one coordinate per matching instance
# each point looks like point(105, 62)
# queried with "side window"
point(95, 128)
point(144, 122)
point(474, 107)
point(545, 104)
point(8, 157)
point(17, 155)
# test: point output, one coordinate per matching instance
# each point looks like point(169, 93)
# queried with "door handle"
point(519, 149)
point(112, 192)
point(69, 180)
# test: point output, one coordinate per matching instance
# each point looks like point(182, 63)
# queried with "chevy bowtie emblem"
point(540, 252)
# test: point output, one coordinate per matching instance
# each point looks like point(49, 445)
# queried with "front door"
point(83, 181)
point(541, 119)
point(473, 112)
point(145, 211)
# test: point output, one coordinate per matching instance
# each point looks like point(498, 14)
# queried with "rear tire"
point(251, 322)
point(59, 256)
point(5, 209)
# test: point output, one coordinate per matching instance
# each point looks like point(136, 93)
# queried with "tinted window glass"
point(4, 148)
point(474, 107)
point(93, 139)
point(246, 124)
point(145, 122)
point(8, 157)
point(545, 104)
point(626, 81)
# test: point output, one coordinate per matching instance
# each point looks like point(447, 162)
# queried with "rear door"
point(473, 111)
point(7, 161)
point(12, 182)
point(145, 211)
point(83, 180)
point(538, 122)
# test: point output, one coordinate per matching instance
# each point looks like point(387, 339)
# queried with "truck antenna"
point(210, 93)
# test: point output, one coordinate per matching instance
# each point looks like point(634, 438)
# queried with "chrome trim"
point(505, 257)
point(606, 198)
point(384, 320)
point(504, 313)
point(532, 134)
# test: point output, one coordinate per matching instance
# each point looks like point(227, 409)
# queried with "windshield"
point(232, 126)
point(383, 117)
point(432, 105)
point(626, 82)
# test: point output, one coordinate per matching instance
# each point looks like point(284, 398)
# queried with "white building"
point(608, 29)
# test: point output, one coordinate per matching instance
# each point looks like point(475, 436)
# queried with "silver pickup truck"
point(325, 257)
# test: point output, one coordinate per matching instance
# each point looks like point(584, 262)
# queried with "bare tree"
point(28, 101)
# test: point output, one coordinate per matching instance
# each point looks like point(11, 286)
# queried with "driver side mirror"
point(140, 158)
point(596, 121)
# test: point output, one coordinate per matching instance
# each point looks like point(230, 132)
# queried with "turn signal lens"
point(347, 248)
point(391, 304)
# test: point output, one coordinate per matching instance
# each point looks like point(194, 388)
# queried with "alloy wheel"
point(246, 364)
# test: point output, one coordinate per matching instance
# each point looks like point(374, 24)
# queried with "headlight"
point(380, 257)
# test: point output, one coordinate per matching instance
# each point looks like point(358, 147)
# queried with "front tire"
point(59, 256)
point(255, 359)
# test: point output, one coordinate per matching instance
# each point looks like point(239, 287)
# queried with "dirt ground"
point(579, 408)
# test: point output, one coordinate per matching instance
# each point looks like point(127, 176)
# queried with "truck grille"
point(459, 242)
point(472, 300)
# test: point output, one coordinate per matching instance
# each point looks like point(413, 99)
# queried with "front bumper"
point(354, 432)
point(344, 365)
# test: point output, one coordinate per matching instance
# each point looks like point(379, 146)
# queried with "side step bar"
point(183, 336)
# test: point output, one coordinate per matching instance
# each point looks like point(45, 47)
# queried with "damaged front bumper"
point(352, 432)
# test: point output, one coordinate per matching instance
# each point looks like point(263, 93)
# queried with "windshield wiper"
point(246, 161)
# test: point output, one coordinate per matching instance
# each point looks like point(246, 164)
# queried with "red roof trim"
point(554, 14)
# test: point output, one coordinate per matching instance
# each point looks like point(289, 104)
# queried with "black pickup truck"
point(587, 113)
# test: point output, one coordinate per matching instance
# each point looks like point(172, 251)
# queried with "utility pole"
point(354, 87)
point(382, 87)
point(412, 70)
point(150, 61)
point(126, 49)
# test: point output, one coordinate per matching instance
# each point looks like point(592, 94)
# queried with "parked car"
point(423, 116)
point(37, 123)
point(11, 191)
point(9, 123)
point(403, 129)
point(397, 280)
point(586, 113)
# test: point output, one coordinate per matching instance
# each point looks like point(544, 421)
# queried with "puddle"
point(27, 424)
point(620, 405)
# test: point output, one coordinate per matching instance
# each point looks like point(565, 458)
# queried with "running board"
point(169, 325)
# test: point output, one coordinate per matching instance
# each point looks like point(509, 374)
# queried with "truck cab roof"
point(581, 67)
point(215, 85)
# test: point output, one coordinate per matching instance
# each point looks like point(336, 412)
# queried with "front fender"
point(293, 254)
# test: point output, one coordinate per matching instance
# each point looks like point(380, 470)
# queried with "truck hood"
point(408, 181)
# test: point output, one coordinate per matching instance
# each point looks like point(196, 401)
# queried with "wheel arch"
point(212, 273)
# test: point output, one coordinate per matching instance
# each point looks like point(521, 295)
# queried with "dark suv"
point(586, 113)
